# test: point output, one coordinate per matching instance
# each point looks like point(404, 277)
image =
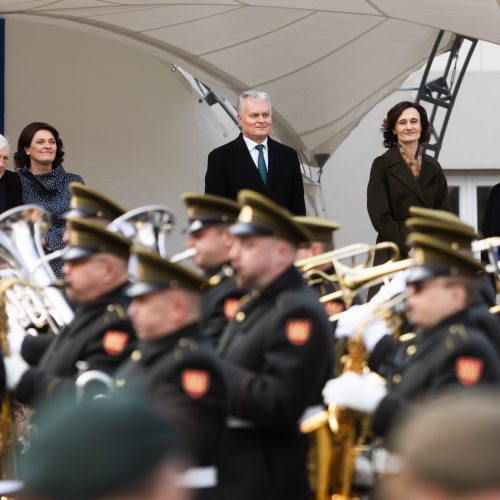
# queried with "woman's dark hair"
point(20, 156)
point(388, 125)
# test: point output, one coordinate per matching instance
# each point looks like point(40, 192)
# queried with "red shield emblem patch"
point(231, 307)
point(298, 331)
point(115, 342)
point(468, 370)
point(195, 383)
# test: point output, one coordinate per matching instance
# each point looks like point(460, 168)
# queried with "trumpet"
point(352, 281)
point(310, 265)
point(147, 226)
point(185, 255)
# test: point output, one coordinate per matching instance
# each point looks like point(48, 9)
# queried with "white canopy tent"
point(325, 62)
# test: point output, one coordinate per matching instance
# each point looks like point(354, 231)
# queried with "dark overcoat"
point(456, 352)
point(276, 356)
point(393, 189)
point(231, 168)
point(100, 334)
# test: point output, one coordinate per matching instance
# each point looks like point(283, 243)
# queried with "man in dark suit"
point(10, 184)
point(255, 161)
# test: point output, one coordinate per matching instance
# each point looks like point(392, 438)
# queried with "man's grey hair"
point(252, 94)
point(3, 141)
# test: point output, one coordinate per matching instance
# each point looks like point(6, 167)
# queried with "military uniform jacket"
point(181, 375)
point(393, 189)
point(100, 334)
point(219, 303)
point(276, 355)
point(457, 352)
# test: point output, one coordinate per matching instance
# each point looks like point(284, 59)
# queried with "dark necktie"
point(261, 163)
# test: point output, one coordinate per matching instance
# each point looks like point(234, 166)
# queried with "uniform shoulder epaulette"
point(457, 335)
point(185, 348)
point(116, 309)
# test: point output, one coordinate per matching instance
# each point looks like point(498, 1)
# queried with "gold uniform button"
point(120, 382)
point(411, 350)
point(110, 308)
point(240, 316)
point(136, 356)
point(396, 378)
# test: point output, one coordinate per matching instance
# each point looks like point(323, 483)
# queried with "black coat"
point(276, 355)
point(231, 168)
point(167, 368)
point(457, 352)
point(10, 186)
point(100, 334)
point(392, 190)
point(491, 218)
point(219, 303)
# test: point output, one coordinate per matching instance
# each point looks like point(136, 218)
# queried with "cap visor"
point(143, 288)
point(245, 229)
point(77, 253)
point(421, 273)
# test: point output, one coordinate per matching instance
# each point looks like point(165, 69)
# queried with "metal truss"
point(442, 91)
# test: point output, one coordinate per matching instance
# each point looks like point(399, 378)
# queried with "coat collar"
point(397, 167)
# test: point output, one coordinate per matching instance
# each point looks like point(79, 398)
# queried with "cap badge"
point(246, 214)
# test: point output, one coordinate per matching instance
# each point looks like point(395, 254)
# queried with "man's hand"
point(352, 390)
point(360, 318)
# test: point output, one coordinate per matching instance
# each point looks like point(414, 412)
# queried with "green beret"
point(87, 238)
point(262, 217)
point(149, 273)
point(94, 449)
point(86, 202)
point(207, 209)
point(321, 229)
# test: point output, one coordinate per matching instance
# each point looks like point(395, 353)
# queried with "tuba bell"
point(147, 226)
point(22, 230)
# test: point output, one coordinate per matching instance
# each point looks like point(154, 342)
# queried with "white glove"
point(396, 286)
point(352, 390)
point(15, 368)
point(353, 318)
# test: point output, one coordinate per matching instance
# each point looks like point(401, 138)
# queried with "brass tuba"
point(22, 230)
point(147, 226)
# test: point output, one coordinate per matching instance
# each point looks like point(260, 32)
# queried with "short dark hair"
point(387, 129)
point(25, 138)
point(470, 285)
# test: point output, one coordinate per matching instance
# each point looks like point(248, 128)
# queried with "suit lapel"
point(274, 162)
point(244, 159)
point(397, 167)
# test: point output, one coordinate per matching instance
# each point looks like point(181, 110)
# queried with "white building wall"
point(130, 125)
point(471, 142)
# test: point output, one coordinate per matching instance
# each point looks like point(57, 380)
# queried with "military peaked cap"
point(86, 202)
point(321, 229)
point(207, 209)
point(150, 273)
point(443, 225)
point(261, 216)
point(87, 238)
point(434, 258)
